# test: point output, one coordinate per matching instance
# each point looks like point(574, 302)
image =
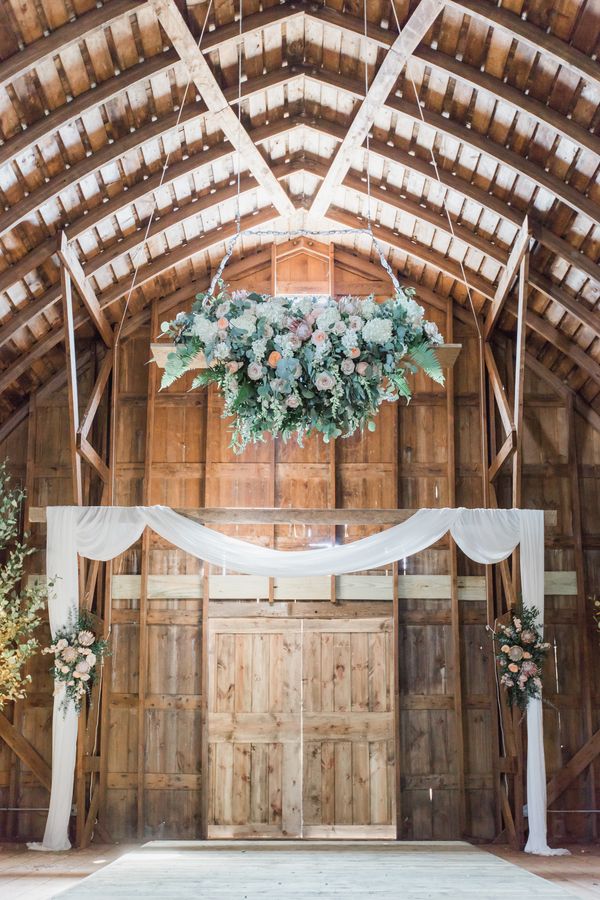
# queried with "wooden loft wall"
point(426, 454)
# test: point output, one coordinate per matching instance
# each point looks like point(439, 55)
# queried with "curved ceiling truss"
point(298, 98)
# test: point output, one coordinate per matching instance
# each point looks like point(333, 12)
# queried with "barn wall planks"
point(406, 458)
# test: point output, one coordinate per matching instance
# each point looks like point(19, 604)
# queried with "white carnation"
point(377, 331)
point(204, 329)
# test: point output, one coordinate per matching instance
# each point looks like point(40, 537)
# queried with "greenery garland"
point(520, 656)
point(291, 365)
point(19, 605)
point(78, 653)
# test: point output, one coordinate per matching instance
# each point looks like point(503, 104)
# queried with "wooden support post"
point(204, 708)
point(17, 717)
point(145, 571)
point(583, 612)
point(67, 297)
point(397, 710)
point(454, 601)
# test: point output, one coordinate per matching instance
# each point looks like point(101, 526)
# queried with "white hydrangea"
point(247, 322)
point(350, 339)
point(414, 312)
point(221, 351)
point(328, 317)
point(204, 329)
point(302, 305)
point(223, 309)
point(273, 312)
point(377, 331)
point(259, 348)
point(323, 349)
point(368, 308)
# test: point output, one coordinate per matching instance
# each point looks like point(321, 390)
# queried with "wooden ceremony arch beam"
point(63, 37)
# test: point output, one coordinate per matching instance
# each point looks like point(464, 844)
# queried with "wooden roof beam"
point(121, 289)
point(186, 46)
point(511, 271)
point(542, 42)
point(63, 37)
point(554, 336)
point(447, 65)
point(413, 33)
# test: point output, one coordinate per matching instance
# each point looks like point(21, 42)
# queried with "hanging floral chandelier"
point(295, 364)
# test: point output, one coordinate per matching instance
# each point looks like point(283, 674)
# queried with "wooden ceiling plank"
point(103, 93)
point(413, 33)
point(19, 64)
point(184, 43)
point(543, 42)
point(84, 289)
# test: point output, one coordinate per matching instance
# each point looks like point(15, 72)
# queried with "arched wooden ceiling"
point(508, 99)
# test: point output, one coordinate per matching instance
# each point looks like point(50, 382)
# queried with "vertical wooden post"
point(18, 709)
point(454, 601)
point(583, 613)
point(397, 711)
point(67, 303)
point(332, 492)
point(143, 607)
point(204, 709)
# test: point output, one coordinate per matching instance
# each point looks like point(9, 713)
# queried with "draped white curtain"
point(102, 533)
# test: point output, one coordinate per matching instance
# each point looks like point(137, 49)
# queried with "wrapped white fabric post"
point(486, 536)
point(532, 585)
point(63, 605)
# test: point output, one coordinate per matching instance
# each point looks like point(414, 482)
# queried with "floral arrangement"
point(77, 655)
point(520, 656)
point(296, 364)
point(19, 605)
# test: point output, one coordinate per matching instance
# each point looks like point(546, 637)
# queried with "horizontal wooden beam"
point(288, 516)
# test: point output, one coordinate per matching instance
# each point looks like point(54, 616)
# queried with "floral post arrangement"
point(290, 365)
point(596, 612)
point(78, 653)
point(520, 655)
point(19, 605)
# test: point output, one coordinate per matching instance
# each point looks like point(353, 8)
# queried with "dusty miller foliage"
point(19, 605)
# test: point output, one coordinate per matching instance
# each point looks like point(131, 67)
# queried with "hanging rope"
point(241, 40)
point(368, 157)
point(437, 175)
point(138, 254)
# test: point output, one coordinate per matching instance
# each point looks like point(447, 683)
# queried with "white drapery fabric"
point(102, 533)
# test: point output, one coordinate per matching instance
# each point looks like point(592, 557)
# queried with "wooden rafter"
point(186, 46)
point(541, 41)
point(62, 38)
point(84, 289)
point(511, 271)
point(387, 74)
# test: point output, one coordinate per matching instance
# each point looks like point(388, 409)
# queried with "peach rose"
point(513, 668)
point(223, 323)
point(354, 352)
point(361, 368)
point(274, 358)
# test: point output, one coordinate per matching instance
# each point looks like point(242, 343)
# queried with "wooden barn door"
point(300, 728)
